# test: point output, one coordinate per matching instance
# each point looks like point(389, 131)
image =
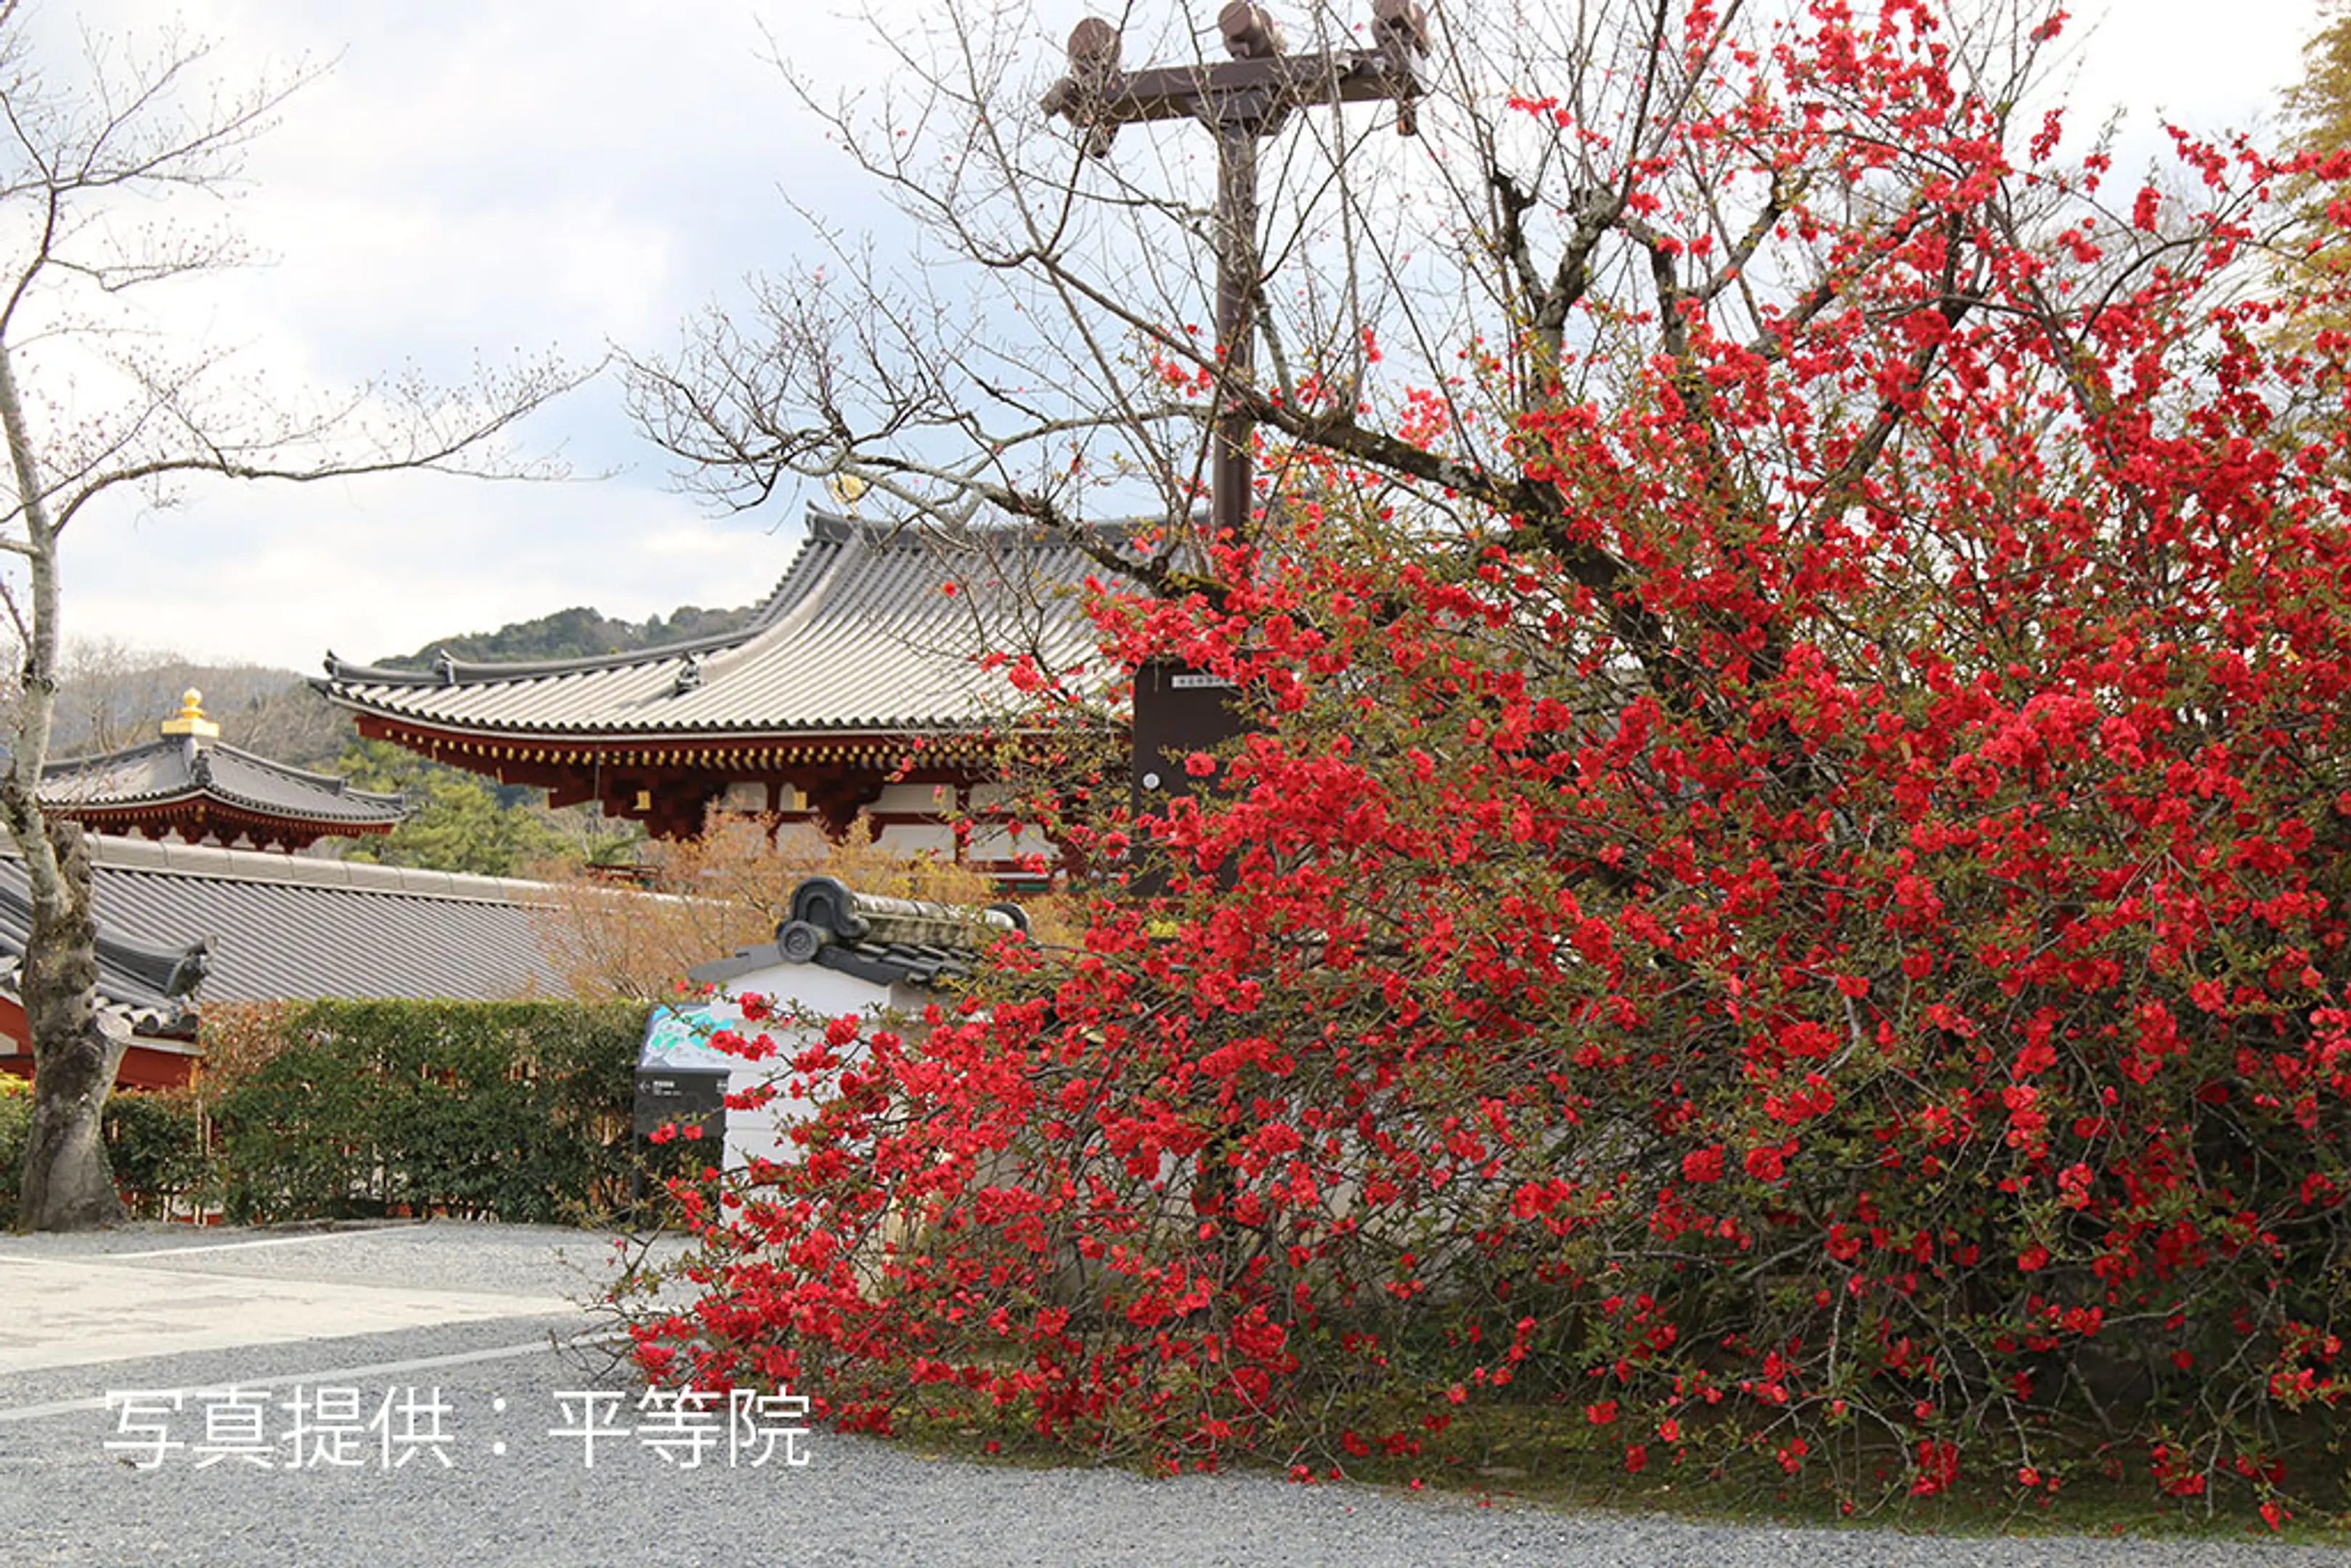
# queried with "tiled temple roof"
point(175, 771)
point(276, 926)
point(876, 628)
point(150, 985)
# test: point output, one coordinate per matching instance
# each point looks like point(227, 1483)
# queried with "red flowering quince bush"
point(1795, 921)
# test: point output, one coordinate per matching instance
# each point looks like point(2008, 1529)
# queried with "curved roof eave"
point(333, 784)
point(812, 572)
point(449, 671)
point(912, 733)
point(388, 809)
point(309, 791)
point(875, 630)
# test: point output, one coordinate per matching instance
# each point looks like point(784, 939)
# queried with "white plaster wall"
point(918, 838)
point(820, 995)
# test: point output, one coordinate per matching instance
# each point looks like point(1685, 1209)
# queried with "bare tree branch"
point(140, 123)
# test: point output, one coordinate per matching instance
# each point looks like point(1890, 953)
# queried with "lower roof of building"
point(283, 927)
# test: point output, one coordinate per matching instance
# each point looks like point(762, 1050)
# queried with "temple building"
point(192, 913)
point(858, 687)
point(186, 784)
point(185, 925)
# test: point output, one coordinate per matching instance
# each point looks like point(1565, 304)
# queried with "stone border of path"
point(146, 1293)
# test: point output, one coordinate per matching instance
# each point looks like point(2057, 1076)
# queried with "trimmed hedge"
point(16, 1120)
point(516, 1111)
point(154, 1140)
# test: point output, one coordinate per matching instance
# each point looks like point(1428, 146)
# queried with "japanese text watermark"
point(334, 1427)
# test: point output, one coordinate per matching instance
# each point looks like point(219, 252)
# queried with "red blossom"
point(1876, 708)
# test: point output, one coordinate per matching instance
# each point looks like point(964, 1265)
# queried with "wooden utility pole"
point(1241, 101)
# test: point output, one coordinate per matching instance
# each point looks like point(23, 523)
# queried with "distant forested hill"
point(576, 633)
point(111, 695)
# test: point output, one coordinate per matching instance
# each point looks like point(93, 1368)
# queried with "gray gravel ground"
point(509, 1259)
point(512, 1492)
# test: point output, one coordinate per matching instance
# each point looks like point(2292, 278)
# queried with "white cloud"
point(374, 568)
point(2204, 65)
point(477, 177)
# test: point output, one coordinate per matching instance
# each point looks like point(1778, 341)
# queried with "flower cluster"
point(1805, 930)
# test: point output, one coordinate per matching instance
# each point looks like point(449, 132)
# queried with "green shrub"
point(155, 1144)
point(514, 1111)
point(154, 1140)
point(16, 1121)
point(517, 1110)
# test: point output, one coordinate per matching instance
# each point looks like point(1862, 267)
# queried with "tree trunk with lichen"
point(69, 1184)
point(143, 123)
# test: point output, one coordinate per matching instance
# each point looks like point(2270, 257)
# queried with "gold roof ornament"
point(191, 720)
point(846, 490)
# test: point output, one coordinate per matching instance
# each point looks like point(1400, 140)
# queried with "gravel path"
point(515, 1489)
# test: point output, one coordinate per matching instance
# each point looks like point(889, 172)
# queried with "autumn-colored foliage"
point(1802, 925)
point(729, 888)
point(2318, 110)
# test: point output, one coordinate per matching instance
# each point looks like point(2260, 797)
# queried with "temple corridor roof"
point(283, 927)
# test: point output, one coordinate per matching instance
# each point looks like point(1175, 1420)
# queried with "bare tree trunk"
point(69, 1184)
point(144, 126)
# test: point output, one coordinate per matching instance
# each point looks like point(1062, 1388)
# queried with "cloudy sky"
point(479, 178)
